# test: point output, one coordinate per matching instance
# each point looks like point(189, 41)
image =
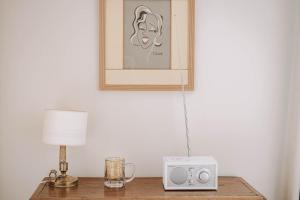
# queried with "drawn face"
point(147, 31)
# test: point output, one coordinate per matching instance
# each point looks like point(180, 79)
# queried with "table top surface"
point(146, 188)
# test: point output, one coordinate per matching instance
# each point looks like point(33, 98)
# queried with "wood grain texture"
point(147, 189)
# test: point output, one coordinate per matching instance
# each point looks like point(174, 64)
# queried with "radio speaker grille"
point(178, 175)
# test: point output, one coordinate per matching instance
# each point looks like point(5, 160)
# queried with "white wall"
point(49, 59)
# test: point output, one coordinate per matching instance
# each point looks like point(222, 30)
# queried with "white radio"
point(190, 173)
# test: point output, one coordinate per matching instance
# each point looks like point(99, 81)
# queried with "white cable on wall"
point(186, 121)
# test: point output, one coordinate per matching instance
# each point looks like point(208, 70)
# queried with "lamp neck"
point(62, 153)
point(63, 165)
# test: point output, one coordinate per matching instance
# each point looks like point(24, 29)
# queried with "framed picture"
point(147, 44)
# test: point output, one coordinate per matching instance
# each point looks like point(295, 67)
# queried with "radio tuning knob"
point(203, 175)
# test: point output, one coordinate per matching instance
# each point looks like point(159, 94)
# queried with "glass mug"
point(115, 172)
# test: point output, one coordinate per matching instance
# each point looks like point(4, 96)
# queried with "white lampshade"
point(65, 127)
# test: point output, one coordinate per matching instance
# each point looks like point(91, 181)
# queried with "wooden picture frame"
point(115, 45)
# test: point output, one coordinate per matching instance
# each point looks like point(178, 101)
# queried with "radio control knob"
point(191, 182)
point(203, 175)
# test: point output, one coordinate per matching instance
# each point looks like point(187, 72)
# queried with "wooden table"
point(147, 189)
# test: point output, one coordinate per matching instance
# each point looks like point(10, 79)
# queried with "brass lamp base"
point(64, 182)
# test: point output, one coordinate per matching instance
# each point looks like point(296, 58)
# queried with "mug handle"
point(129, 179)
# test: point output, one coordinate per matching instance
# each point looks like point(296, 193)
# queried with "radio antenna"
point(186, 120)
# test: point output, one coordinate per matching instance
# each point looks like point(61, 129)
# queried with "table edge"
point(43, 184)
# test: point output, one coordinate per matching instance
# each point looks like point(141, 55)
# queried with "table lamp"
point(64, 128)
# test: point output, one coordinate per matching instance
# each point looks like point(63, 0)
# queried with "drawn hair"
point(141, 13)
